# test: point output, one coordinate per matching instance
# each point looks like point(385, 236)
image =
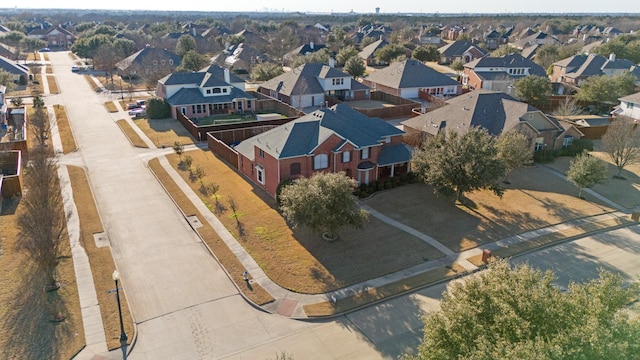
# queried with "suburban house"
point(407, 78)
point(213, 90)
point(370, 31)
point(54, 36)
point(336, 139)
point(578, 68)
point(499, 73)
point(308, 84)
point(19, 73)
point(303, 50)
point(629, 107)
point(240, 58)
point(149, 61)
point(497, 112)
point(368, 54)
point(461, 49)
point(538, 38)
point(494, 39)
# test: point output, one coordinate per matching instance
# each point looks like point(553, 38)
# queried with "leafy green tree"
point(157, 108)
point(185, 44)
point(33, 44)
point(321, 56)
point(622, 143)
point(546, 55)
point(178, 148)
point(515, 150)
point(265, 71)
point(533, 89)
point(426, 53)
point(519, 313)
point(338, 39)
point(454, 164)
point(457, 65)
point(6, 79)
point(14, 39)
point(606, 90)
point(345, 54)
point(355, 67)
point(192, 61)
point(389, 52)
point(505, 50)
point(323, 202)
point(586, 171)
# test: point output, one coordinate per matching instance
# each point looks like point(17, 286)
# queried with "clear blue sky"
point(359, 6)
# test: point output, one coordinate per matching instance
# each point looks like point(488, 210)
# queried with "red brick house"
point(54, 36)
point(337, 139)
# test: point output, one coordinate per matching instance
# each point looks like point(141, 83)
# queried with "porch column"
point(393, 167)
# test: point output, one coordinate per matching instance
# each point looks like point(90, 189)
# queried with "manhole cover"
point(101, 239)
point(194, 221)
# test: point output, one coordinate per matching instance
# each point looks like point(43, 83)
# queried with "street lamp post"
point(123, 334)
point(121, 91)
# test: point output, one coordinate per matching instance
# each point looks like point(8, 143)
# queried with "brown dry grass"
point(164, 131)
point(48, 69)
point(66, 134)
point(33, 56)
point(46, 57)
point(133, 136)
point(53, 84)
point(625, 192)
point(111, 106)
point(100, 259)
point(299, 260)
point(92, 83)
point(28, 90)
point(26, 331)
point(327, 308)
point(222, 252)
point(534, 199)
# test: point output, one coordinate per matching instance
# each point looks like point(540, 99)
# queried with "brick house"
point(461, 49)
point(499, 73)
point(497, 112)
point(54, 36)
point(578, 68)
point(213, 90)
point(336, 139)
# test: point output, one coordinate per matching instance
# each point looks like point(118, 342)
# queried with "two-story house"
point(460, 50)
point(629, 107)
point(54, 36)
point(407, 78)
point(336, 139)
point(213, 90)
point(499, 73)
point(307, 85)
point(578, 68)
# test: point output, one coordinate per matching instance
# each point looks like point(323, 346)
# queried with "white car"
point(137, 112)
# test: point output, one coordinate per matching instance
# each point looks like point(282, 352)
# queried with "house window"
point(320, 161)
point(162, 62)
point(261, 153)
point(364, 153)
point(216, 90)
point(567, 141)
point(539, 144)
point(337, 81)
point(260, 174)
point(346, 156)
point(248, 104)
point(224, 90)
point(183, 110)
point(208, 91)
point(193, 109)
point(294, 169)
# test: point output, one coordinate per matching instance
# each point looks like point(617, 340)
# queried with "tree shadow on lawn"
point(28, 326)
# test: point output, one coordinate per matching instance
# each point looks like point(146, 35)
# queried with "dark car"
point(44, 50)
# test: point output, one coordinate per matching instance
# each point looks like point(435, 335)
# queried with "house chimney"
point(311, 45)
point(227, 78)
point(332, 62)
point(612, 57)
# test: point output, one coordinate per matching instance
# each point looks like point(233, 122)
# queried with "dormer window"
point(224, 90)
point(216, 90)
point(337, 81)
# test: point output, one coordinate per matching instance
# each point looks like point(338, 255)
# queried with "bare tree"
point(42, 222)
point(39, 124)
point(622, 143)
point(105, 59)
point(568, 107)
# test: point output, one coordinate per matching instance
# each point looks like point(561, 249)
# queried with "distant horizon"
point(341, 7)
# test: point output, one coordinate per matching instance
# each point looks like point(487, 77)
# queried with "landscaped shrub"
point(157, 108)
point(281, 185)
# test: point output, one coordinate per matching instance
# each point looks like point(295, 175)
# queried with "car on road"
point(75, 68)
point(44, 50)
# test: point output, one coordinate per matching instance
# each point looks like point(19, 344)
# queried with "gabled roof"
point(301, 136)
point(218, 72)
point(12, 66)
point(530, 51)
point(212, 75)
point(507, 61)
point(633, 98)
point(370, 49)
point(191, 96)
point(305, 49)
point(458, 48)
point(592, 65)
point(303, 80)
point(149, 54)
point(410, 73)
point(493, 110)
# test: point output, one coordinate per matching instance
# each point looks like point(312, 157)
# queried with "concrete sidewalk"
point(288, 297)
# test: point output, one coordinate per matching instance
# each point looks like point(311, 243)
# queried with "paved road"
point(185, 306)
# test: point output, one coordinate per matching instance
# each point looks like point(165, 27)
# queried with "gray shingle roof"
point(508, 61)
point(12, 66)
point(394, 154)
point(457, 48)
point(492, 110)
point(410, 73)
point(370, 49)
point(634, 98)
point(191, 96)
point(303, 80)
point(301, 136)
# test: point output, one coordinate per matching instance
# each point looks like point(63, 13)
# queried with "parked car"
point(138, 112)
point(141, 102)
point(44, 50)
point(132, 106)
point(75, 68)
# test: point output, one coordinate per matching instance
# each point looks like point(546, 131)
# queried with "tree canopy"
point(426, 53)
point(185, 44)
point(265, 71)
point(622, 143)
point(514, 149)
point(454, 164)
point(533, 89)
point(355, 67)
point(193, 61)
point(605, 89)
point(519, 313)
point(323, 202)
point(389, 52)
point(586, 171)
point(345, 54)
